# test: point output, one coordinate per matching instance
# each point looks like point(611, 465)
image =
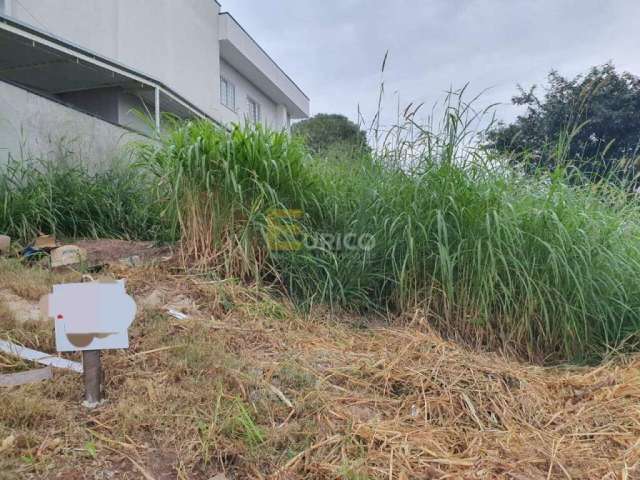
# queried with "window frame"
point(227, 87)
point(255, 110)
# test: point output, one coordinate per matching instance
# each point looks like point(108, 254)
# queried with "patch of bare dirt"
point(108, 251)
point(20, 309)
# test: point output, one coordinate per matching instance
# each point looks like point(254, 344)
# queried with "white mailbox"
point(90, 316)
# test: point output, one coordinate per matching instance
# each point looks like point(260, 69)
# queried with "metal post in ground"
point(92, 378)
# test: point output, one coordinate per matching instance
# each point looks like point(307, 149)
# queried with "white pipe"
point(40, 357)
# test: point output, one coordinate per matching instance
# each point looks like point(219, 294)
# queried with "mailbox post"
point(92, 371)
point(90, 317)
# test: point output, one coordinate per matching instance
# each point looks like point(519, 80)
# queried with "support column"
point(157, 112)
point(282, 119)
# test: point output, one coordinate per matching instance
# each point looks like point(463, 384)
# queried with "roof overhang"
point(50, 65)
point(245, 55)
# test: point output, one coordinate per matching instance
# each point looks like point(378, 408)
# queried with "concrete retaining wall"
point(32, 126)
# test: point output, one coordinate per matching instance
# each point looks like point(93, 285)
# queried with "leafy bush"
point(600, 109)
point(324, 133)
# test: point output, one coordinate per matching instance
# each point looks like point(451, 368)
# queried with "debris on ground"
point(132, 261)
point(39, 357)
point(24, 378)
point(67, 255)
point(183, 306)
point(33, 253)
point(45, 242)
point(176, 314)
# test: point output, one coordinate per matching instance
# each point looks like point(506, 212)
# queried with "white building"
point(84, 71)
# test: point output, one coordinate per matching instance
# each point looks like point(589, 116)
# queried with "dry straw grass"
point(249, 388)
point(34, 284)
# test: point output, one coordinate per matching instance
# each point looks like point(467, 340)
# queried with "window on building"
point(227, 94)
point(255, 115)
point(3, 8)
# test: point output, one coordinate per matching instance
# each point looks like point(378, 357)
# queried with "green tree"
point(329, 133)
point(591, 121)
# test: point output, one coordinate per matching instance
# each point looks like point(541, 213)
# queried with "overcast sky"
point(333, 48)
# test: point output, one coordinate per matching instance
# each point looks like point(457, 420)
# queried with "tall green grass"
point(535, 264)
point(544, 263)
point(63, 196)
point(217, 188)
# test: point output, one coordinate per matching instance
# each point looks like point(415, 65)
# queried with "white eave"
point(49, 65)
point(243, 53)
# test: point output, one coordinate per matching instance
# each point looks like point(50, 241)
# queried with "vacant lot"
point(247, 387)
